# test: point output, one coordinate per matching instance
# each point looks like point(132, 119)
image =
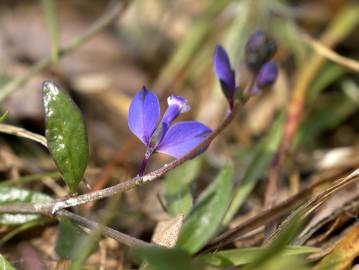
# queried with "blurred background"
point(168, 46)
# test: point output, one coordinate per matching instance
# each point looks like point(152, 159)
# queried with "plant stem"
point(50, 208)
point(145, 162)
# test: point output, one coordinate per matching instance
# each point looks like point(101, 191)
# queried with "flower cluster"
point(259, 51)
point(178, 139)
point(163, 136)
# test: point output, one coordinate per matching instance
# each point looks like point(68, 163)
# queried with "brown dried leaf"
point(167, 231)
point(344, 252)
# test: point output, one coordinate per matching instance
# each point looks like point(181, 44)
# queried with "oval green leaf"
point(11, 195)
point(205, 218)
point(66, 134)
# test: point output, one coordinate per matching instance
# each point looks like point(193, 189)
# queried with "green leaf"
point(204, 219)
point(11, 195)
point(66, 134)
point(237, 257)
point(284, 235)
point(4, 116)
point(263, 154)
point(177, 191)
point(70, 239)
point(4, 264)
point(339, 106)
point(328, 75)
point(164, 258)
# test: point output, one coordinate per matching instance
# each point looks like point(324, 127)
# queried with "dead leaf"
point(167, 231)
point(344, 252)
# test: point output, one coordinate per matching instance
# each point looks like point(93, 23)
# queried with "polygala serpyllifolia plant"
point(178, 139)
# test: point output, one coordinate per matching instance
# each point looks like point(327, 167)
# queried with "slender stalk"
point(20, 132)
point(50, 208)
point(106, 231)
point(145, 162)
point(56, 208)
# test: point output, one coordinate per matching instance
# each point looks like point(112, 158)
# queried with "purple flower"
point(225, 73)
point(266, 77)
point(174, 140)
point(259, 50)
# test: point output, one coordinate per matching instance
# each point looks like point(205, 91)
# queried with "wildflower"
point(175, 140)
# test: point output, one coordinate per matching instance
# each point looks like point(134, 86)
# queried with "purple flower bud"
point(259, 50)
point(225, 73)
point(267, 75)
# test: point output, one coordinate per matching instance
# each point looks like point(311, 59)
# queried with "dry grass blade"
point(330, 54)
point(273, 214)
point(316, 202)
point(20, 132)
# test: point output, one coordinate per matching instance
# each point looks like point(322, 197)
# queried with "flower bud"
point(259, 50)
point(266, 77)
point(225, 73)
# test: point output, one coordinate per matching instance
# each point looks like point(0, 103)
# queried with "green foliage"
point(164, 259)
point(328, 75)
point(263, 154)
point(70, 239)
point(3, 117)
point(66, 134)
point(177, 191)
point(285, 234)
point(338, 106)
point(241, 256)
point(4, 264)
point(11, 195)
point(205, 218)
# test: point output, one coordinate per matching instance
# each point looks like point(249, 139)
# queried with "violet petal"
point(182, 137)
point(224, 72)
point(176, 106)
point(143, 115)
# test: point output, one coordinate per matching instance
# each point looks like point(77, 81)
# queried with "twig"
point(50, 208)
point(330, 54)
point(20, 132)
point(104, 21)
point(56, 208)
point(106, 231)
